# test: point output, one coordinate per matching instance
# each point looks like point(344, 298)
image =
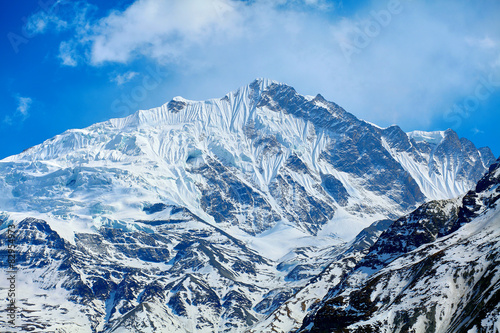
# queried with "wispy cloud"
point(21, 113)
point(124, 78)
point(45, 19)
point(476, 131)
point(67, 54)
point(24, 103)
point(485, 42)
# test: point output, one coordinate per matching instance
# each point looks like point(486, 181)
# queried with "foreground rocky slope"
point(436, 270)
point(177, 274)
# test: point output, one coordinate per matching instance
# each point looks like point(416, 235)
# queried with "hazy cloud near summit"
point(403, 62)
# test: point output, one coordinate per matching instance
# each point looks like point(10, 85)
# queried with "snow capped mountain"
point(222, 215)
point(439, 162)
point(259, 156)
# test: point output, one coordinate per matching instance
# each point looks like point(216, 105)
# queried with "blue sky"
point(419, 64)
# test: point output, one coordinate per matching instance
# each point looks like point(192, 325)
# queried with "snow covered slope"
point(442, 164)
point(289, 315)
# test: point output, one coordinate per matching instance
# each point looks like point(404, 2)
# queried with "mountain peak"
point(265, 82)
point(180, 99)
point(261, 85)
point(435, 137)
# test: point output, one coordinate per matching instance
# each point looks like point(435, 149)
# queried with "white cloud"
point(124, 78)
point(60, 16)
point(496, 63)
point(485, 42)
point(411, 68)
point(21, 113)
point(8, 120)
point(161, 29)
point(24, 103)
point(321, 4)
point(67, 54)
point(42, 20)
point(476, 131)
